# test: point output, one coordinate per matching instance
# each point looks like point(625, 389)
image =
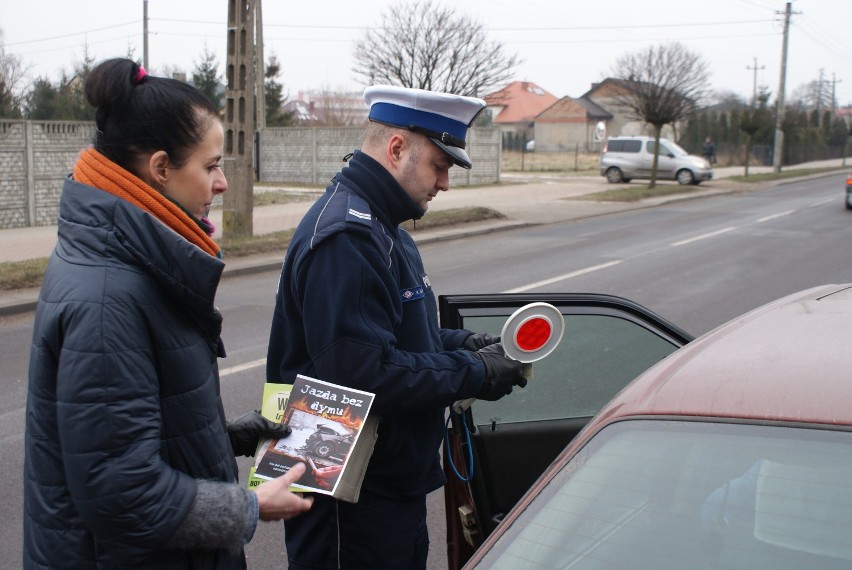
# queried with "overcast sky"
point(565, 45)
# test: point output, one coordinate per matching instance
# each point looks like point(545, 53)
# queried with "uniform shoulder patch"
point(358, 211)
point(343, 209)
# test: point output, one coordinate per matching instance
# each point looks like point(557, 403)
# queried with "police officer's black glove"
point(246, 431)
point(477, 341)
point(501, 373)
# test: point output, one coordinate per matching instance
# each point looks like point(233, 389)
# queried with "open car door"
point(496, 450)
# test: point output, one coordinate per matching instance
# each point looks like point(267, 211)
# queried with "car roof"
point(635, 137)
point(789, 360)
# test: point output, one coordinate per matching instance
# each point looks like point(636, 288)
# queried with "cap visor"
point(458, 155)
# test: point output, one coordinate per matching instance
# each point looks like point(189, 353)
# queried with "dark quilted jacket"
point(123, 410)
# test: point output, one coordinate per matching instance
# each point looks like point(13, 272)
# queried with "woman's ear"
point(157, 169)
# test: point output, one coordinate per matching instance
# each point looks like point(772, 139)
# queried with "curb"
point(27, 299)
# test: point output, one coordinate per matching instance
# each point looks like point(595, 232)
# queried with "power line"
point(822, 35)
point(511, 29)
point(73, 34)
point(137, 22)
point(562, 41)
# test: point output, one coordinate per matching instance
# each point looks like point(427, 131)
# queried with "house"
point(327, 108)
point(585, 123)
point(303, 112)
point(514, 109)
point(608, 94)
point(524, 111)
point(571, 124)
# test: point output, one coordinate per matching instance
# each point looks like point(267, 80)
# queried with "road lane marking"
point(704, 236)
point(563, 277)
point(241, 367)
point(822, 202)
point(773, 216)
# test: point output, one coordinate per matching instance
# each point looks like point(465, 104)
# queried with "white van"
point(625, 158)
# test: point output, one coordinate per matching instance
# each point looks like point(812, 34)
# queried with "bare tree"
point(426, 46)
point(12, 76)
point(661, 85)
point(340, 108)
point(816, 94)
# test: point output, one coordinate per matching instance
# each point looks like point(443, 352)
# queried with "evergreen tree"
point(839, 132)
point(273, 93)
point(753, 120)
point(42, 100)
point(205, 77)
point(65, 101)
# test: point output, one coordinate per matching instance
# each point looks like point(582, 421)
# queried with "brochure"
point(331, 432)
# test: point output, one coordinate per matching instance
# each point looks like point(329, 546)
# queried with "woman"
point(129, 460)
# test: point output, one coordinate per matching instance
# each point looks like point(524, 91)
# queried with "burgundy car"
point(733, 450)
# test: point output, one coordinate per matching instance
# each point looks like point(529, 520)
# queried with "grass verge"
point(770, 176)
point(452, 217)
point(22, 274)
point(635, 193)
point(30, 272)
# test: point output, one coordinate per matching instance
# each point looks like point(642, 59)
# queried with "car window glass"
point(615, 146)
point(692, 494)
point(632, 146)
point(599, 354)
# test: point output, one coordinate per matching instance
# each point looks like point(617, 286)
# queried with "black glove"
point(501, 372)
point(477, 341)
point(246, 431)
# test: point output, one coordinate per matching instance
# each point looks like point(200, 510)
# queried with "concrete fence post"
point(30, 154)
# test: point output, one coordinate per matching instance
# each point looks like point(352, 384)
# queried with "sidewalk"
point(524, 198)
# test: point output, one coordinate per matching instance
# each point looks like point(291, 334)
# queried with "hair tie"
point(140, 75)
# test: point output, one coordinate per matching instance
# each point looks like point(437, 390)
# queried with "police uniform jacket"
point(123, 408)
point(355, 307)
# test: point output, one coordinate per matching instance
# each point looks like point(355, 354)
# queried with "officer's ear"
point(395, 150)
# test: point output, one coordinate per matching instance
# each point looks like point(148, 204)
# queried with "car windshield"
point(688, 494)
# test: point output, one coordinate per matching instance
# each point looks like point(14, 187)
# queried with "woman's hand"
point(275, 500)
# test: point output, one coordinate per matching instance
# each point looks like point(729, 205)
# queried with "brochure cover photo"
point(326, 421)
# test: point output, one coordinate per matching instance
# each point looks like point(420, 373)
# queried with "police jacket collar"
point(387, 199)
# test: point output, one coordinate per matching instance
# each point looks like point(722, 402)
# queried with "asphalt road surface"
point(695, 262)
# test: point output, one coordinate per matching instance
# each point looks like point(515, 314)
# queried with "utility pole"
point(754, 89)
point(240, 96)
point(834, 82)
point(260, 110)
point(778, 154)
point(819, 94)
point(145, 34)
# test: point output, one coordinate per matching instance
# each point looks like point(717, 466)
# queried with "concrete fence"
point(312, 155)
point(35, 156)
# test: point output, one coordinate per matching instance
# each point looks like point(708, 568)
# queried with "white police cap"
point(442, 117)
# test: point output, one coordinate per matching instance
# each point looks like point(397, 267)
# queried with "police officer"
point(355, 307)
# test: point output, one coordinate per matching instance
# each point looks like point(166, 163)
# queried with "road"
point(696, 262)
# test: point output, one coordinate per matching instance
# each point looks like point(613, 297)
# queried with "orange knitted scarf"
point(94, 169)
